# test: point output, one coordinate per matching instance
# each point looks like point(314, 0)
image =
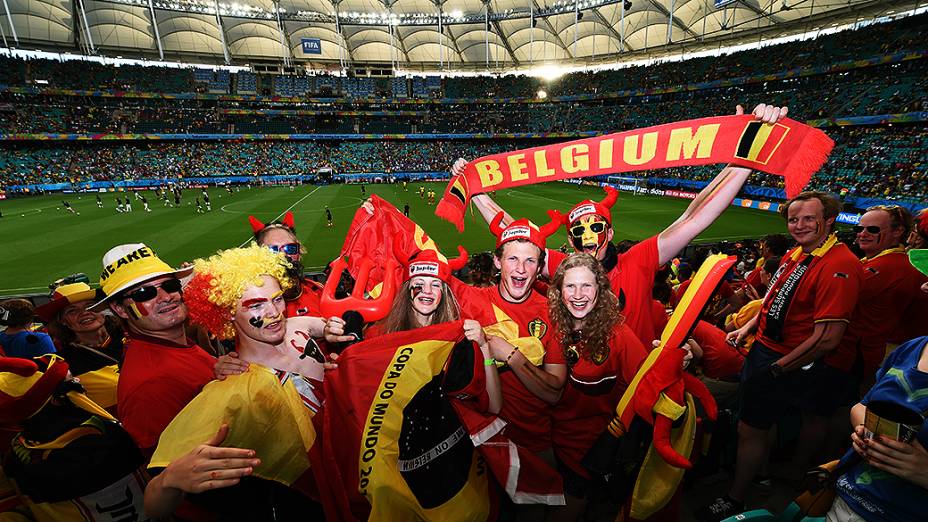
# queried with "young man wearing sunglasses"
point(889, 292)
point(280, 236)
point(162, 370)
point(590, 230)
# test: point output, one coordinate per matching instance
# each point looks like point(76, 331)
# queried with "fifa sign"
point(311, 45)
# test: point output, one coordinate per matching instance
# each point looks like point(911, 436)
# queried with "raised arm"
point(712, 200)
point(484, 203)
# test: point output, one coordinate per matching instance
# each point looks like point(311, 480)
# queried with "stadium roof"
point(417, 34)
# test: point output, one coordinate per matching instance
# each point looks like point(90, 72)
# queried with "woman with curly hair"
point(602, 354)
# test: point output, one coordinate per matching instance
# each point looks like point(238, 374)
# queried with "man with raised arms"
point(589, 226)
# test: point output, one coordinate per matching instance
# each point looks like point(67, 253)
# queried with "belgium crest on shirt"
point(537, 328)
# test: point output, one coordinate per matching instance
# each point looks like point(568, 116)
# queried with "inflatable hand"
point(660, 384)
point(370, 309)
point(657, 396)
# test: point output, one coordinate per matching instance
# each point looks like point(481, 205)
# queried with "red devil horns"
point(258, 226)
point(458, 262)
point(495, 229)
point(611, 196)
point(288, 220)
point(552, 226)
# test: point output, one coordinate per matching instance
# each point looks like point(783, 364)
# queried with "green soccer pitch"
point(43, 242)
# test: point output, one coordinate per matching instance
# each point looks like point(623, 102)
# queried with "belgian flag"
point(392, 445)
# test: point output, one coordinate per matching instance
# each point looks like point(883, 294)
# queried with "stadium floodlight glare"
point(541, 94)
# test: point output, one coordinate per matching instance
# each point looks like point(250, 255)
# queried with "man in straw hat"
point(162, 370)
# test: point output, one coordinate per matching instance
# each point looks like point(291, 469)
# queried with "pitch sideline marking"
point(313, 191)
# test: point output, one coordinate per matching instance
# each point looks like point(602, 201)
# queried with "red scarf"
point(787, 148)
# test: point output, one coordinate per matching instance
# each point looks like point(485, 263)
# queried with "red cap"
point(24, 390)
point(600, 208)
point(525, 229)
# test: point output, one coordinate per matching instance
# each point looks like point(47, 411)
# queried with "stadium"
point(197, 128)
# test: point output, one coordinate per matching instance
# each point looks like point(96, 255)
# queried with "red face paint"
point(414, 291)
point(139, 310)
point(249, 302)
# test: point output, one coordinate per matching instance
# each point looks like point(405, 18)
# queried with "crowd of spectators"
point(880, 161)
point(886, 89)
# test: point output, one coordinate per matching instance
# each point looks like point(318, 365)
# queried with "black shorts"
point(827, 389)
point(819, 390)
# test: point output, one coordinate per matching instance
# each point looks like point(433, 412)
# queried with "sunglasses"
point(598, 227)
point(871, 229)
point(148, 292)
point(291, 249)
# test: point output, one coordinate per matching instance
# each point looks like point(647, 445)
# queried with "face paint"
point(414, 291)
point(256, 321)
point(138, 310)
point(589, 234)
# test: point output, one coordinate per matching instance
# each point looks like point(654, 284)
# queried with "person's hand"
point(765, 113)
point(737, 337)
point(474, 332)
point(857, 440)
point(458, 167)
point(693, 351)
point(499, 350)
point(751, 292)
point(334, 331)
point(209, 466)
point(368, 206)
point(229, 364)
point(332, 363)
point(906, 460)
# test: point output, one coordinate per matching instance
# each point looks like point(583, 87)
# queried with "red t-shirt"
point(158, 378)
point(308, 301)
point(527, 417)
point(890, 286)
point(591, 395)
point(633, 274)
point(827, 292)
point(753, 279)
point(719, 359)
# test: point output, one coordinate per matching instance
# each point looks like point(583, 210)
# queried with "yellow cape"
point(263, 415)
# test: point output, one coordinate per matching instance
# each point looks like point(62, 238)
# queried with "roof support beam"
point(502, 37)
point(340, 30)
point(663, 10)
point(605, 23)
point(83, 14)
point(760, 12)
point(9, 18)
point(551, 28)
point(284, 41)
point(222, 34)
point(154, 24)
point(454, 43)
